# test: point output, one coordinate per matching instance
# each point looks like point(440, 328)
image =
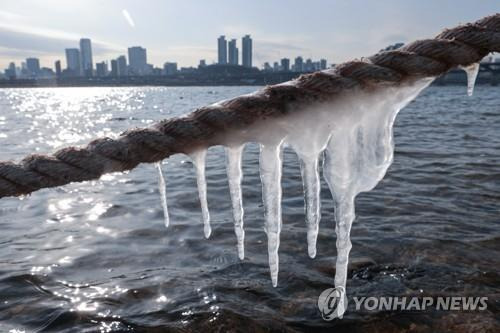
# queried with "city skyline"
point(79, 63)
point(183, 31)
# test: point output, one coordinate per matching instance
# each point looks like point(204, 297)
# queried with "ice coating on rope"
point(355, 131)
point(472, 71)
point(198, 158)
point(234, 175)
point(163, 193)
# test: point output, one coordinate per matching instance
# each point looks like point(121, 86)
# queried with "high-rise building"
point(323, 64)
point(233, 52)
point(33, 66)
point(122, 66)
point(170, 68)
point(308, 67)
point(222, 50)
point(114, 68)
point(202, 63)
point(299, 64)
point(87, 66)
point(57, 65)
point(46, 73)
point(285, 64)
point(246, 51)
point(73, 62)
point(101, 69)
point(10, 72)
point(137, 59)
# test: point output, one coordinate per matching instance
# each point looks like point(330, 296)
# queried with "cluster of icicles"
point(355, 135)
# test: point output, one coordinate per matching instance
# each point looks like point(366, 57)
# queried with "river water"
point(96, 256)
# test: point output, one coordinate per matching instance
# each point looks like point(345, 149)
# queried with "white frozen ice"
point(359, 152)
point(270, 175)
point(354, 132)
point(198, 158)
point(163, 193)
point(472, 71)
point(234, 174)
point(312, 187)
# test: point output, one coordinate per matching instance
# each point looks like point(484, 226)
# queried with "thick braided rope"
point(460, 46)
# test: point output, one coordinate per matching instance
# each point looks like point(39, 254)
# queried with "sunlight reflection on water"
point(95, 255)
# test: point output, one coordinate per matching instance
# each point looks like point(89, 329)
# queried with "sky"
point(186, 31)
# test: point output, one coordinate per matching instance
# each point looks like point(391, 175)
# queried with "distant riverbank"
point(487, 75)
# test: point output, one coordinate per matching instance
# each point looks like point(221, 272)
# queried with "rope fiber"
point(460, 46)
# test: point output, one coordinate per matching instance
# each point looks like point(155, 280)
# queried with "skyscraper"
point(101, 69)
point(137, 60)
point(233, 52)
point(33, 66)
point(169, 68)
point(114, 68)
point(299, 64)
point(73, 62)
point(308, 67)
point(122, 66)
point(246, 46)
point(323, 64)
point(285, 64)
point(57, 64)
point(10, 72)
point(222, 50)
point(87, 66)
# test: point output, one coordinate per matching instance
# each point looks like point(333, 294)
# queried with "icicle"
point(337, 173)
point(163, 193)
point(198, 158)
point(358, 155)
point(234, 175)
point(308, 136)
point(472, 71)
point(270, 174)
point(310, 179)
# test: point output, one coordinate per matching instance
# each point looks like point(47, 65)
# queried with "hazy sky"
point(186, 31)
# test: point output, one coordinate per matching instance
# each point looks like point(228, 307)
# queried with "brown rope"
point(460, 46)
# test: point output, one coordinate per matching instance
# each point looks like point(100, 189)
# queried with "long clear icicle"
point(234, 175)
point(198, 158)
point(357, 157)
point(337, 174)
point(163, 194)
point(472, 71)
point(270, 174)
point(311, 182)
